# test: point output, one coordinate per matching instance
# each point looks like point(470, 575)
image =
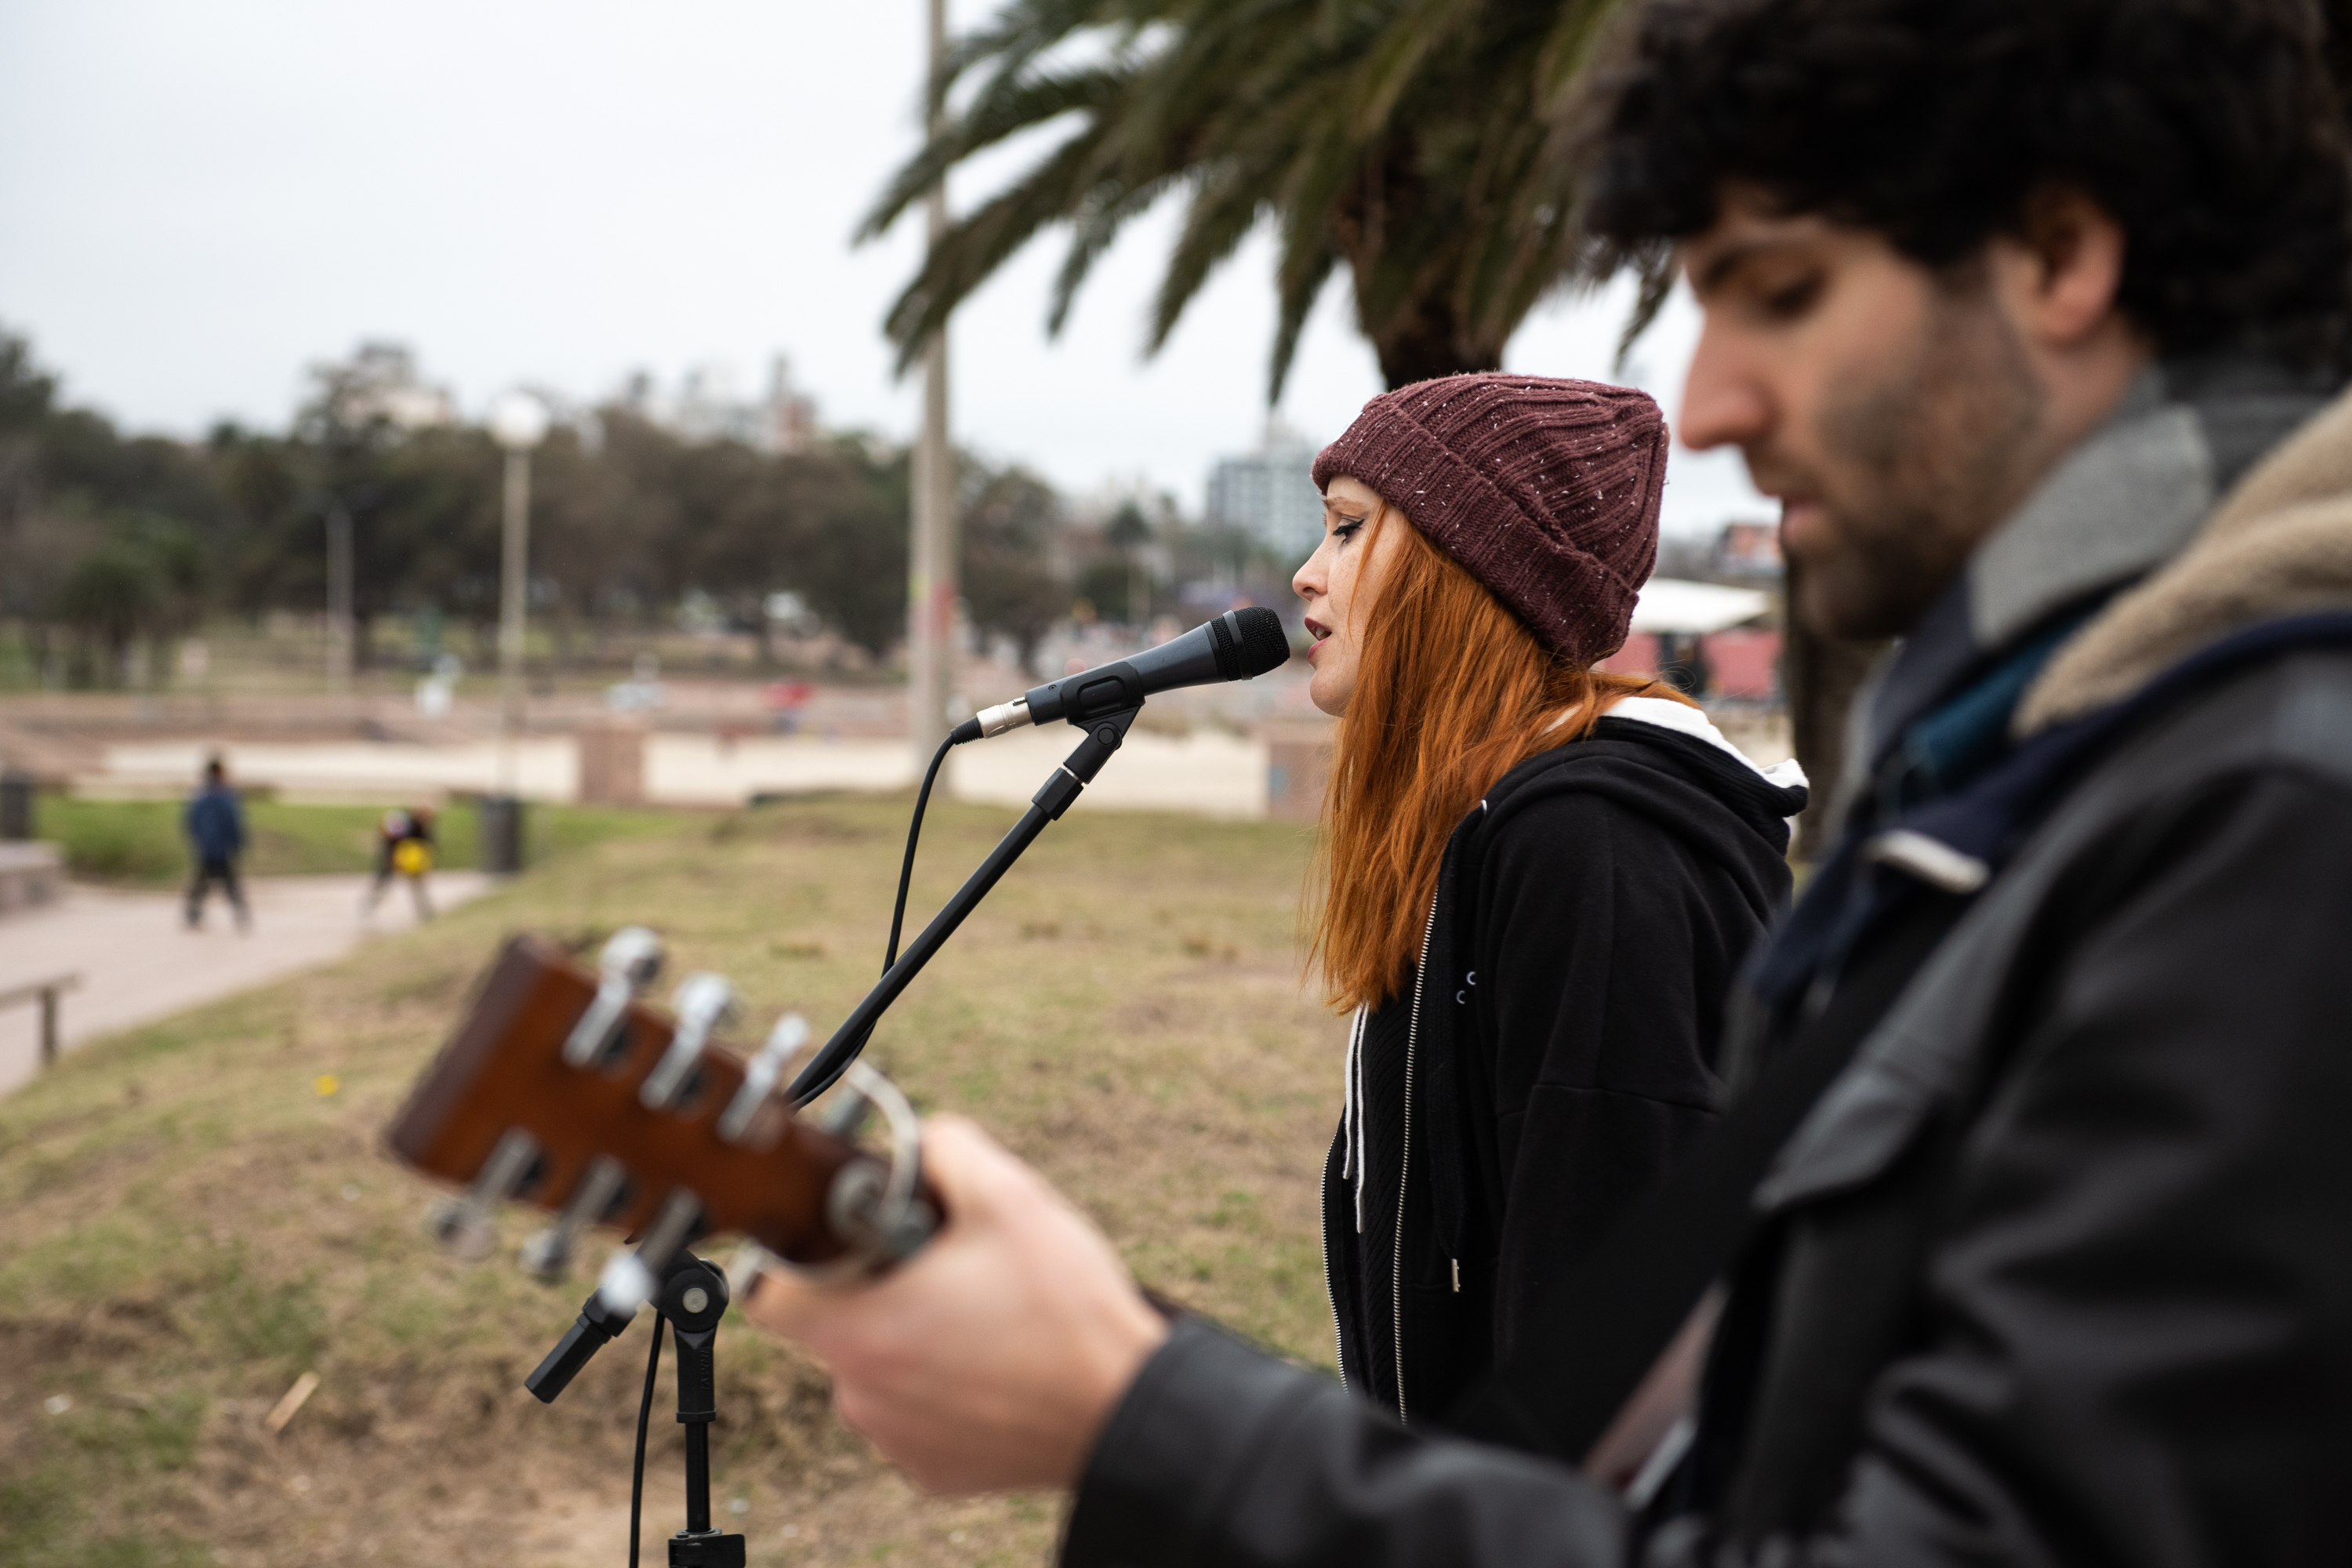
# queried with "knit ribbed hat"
point(1545, 490)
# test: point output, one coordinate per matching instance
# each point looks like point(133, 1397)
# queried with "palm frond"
point(1413, 142)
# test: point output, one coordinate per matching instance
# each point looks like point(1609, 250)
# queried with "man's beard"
point(1923, 462)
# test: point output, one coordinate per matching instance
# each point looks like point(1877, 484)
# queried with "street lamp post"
point(519, 424)
point(931, 575)
point(341, 626)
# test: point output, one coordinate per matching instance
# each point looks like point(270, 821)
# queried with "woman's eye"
point(1347, 530)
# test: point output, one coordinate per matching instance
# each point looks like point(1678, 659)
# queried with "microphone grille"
point(1249, 643)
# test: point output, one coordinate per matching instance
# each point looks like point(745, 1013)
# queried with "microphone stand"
point(1104, 732)
point(691, 1301)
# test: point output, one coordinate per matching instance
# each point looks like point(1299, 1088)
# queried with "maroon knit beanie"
point(1545, 490)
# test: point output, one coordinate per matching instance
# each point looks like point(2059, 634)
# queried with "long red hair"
point(1452, 692)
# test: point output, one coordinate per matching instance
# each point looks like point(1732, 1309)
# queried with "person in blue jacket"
point(215, 823)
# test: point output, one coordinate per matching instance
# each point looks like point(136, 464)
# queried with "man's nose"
point(1723, 404)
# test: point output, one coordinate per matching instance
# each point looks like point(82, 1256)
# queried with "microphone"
point(1239, 645)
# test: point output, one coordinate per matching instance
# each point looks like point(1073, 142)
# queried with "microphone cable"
point(914, 831)
point(898, 907)
point(645, 1414)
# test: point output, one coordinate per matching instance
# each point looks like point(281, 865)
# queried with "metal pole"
point(341, 628)
point(511, 582)
point(932, 562)
point(49, 1027)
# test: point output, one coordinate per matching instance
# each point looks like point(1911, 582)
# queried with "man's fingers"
point(968, 1170)
point(788, 1306)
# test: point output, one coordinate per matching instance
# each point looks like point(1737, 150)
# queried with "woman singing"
point(1538, 878)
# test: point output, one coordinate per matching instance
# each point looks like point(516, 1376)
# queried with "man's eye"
point(1786, 300)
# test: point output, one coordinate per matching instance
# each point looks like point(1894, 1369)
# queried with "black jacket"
point(2057, 1271)
point(1550, 1053)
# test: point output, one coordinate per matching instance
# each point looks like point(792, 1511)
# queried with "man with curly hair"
point(2025, 1236)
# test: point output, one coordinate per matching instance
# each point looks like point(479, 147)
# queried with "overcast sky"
point(197, 201)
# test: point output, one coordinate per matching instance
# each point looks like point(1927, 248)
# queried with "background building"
point(1269, 494)
point(710, 405)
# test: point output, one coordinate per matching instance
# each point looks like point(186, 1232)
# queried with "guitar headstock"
point(562, 1089)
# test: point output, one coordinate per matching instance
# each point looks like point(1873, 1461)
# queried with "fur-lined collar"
point(2280, 544)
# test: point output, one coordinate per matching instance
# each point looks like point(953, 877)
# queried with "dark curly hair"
point(2210, 130)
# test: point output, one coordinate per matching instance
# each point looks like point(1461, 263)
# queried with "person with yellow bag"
point(403, 848)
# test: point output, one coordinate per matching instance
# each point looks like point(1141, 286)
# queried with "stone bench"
point(31, 874)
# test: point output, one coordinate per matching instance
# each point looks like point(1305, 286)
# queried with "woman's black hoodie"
point(1553, 1050)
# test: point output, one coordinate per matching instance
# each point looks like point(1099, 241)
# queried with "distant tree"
point(1127, 530)
point(1008, 517)
point(421, 494)
point(1411, 141)
point(1108, 587)
point(104, 541)
point(850, 563)
point(107, 542)
point(108, 597)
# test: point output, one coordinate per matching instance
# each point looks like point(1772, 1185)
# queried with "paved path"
point(1211, 771)
point(139, 963)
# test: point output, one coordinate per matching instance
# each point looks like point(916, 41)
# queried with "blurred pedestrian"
point(403, 848)
point(215, 823)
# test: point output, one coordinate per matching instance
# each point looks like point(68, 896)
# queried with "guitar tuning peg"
point(633, 950)
point(704, 1001)
point(630, 961)
point(759, 1079)
point(845, 1113)
point(629, 1279)
point(464, 1224)
point(548, 1252)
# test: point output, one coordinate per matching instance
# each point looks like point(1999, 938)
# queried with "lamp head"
point(519, 423)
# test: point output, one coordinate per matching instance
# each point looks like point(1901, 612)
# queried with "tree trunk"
point(1821, 676)
point(1428, 345)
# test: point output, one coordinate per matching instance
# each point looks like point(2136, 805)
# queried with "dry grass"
point(187, 1223)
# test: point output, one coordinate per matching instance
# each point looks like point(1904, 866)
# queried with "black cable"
point(645, 1414)
point(897, 909)
point(914, 831)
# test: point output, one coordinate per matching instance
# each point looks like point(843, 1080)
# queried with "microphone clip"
point(1064, 784)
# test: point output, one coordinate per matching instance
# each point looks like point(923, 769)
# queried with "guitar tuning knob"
point(761, 1078)
point(548, 1252)
point(629, 1279)
point(844, 1114)
point(704, 1001)
point(464, 1224)
point(633, 950)
point(631, 960)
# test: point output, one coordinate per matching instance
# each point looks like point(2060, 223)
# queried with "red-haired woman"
point(1538, 876)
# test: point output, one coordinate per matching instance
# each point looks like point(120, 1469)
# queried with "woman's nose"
point(1308, 582)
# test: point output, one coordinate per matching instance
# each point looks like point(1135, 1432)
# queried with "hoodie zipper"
point(1350, 1124)
point(1404, 1159)
point(1330, 1292)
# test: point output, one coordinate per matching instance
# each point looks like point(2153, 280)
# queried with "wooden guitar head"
point(504, 1113)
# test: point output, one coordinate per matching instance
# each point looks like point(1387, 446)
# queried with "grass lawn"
point(139, 841)
point(188, 1223)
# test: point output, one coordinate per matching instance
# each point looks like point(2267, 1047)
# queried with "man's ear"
point(2066, 267)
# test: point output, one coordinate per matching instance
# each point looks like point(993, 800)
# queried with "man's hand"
point(991, 1359)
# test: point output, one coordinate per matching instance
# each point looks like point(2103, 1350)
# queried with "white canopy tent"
point(1679, 608)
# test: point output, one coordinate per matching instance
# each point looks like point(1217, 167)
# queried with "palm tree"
point(1414, 140)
